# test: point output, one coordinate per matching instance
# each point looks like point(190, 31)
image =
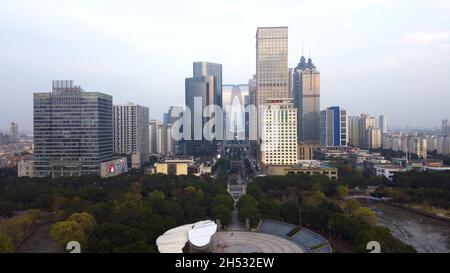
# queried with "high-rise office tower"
point(233, 104)
point(73, 131)
point(307, 100)
point(252, 90)
point(279, 145)
point(131, 131)
point(252, 121)
point(333, 127)
point(353, 131)
point(272, 77)
point(291, 82)
point(382, 124)
point(174, 114)
point(155, 136)
point(203, 87)
point(445, 128)
point(214, 70)
point(14, 132)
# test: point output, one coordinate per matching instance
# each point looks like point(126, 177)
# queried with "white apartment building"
point(410, 144)
point(432, 143)
point(160, 138)
point(443, 145)
point(373, 138)
point(279, 142)
point(131, 131)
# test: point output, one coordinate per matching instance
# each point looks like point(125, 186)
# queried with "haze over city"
point(375, 56)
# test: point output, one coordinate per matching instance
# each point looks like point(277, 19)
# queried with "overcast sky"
point(375, 56)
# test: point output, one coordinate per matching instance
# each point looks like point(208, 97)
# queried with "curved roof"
point(199, 234)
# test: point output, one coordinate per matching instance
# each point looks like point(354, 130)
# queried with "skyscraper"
point(214, 70)
point(131, 131)
point(373, 138)
point(307, 100)
point(233, 103)
point(252, 90)
point(382, 124)
point(14, 132)
point(353, 131)
point(203, 87)
point(363, 131)
point(333, 127)
point(155, 137)
point(279, 145)
point(172, 117)
point(445, 128)
point(252, 122)
point(367, 139)
point(272, 77)
point(73, 131)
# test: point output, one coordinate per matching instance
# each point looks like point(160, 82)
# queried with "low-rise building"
point(356, 159)
point(388, 171)
point(309, 167)
point(114, 167)
point(25, 168)
point(174, 166)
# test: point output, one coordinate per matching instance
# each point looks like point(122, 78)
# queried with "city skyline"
point(138, 61)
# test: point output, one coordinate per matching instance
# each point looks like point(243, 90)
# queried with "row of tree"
point(120, 214)
point(318, 203)
point(415, 187)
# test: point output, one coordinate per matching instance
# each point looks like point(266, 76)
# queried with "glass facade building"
point(73, 131)
point(214, 70)
point(307, 100)
point(272, 78)
point(333, 127)
point(235, 118)
point(203, 89)
point(272, 64)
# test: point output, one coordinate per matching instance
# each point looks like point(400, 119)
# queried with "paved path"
point(235, 224)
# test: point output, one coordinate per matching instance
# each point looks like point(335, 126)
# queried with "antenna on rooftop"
point(302, 49)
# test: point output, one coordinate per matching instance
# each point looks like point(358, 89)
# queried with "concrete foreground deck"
point(251, 242)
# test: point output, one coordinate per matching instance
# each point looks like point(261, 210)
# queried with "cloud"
point(427, 37)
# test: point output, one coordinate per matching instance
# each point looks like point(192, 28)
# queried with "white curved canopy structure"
point(199, 234)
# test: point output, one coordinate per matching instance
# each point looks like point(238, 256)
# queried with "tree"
point(315, 199)
point(364, 237)
point(6, 245)
point(247, 208)
point(86, 220)
point(66, 231)
point(367, 215)
point(246, 201)
point(250, 212)
point(194, 213)
point(7, 208)
point(223, 200)
point(352, 205)
point(222, 213)
point(342, 192)
point(156, 196)
point(269, 209)
point(290, 211)
point(316, 187)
